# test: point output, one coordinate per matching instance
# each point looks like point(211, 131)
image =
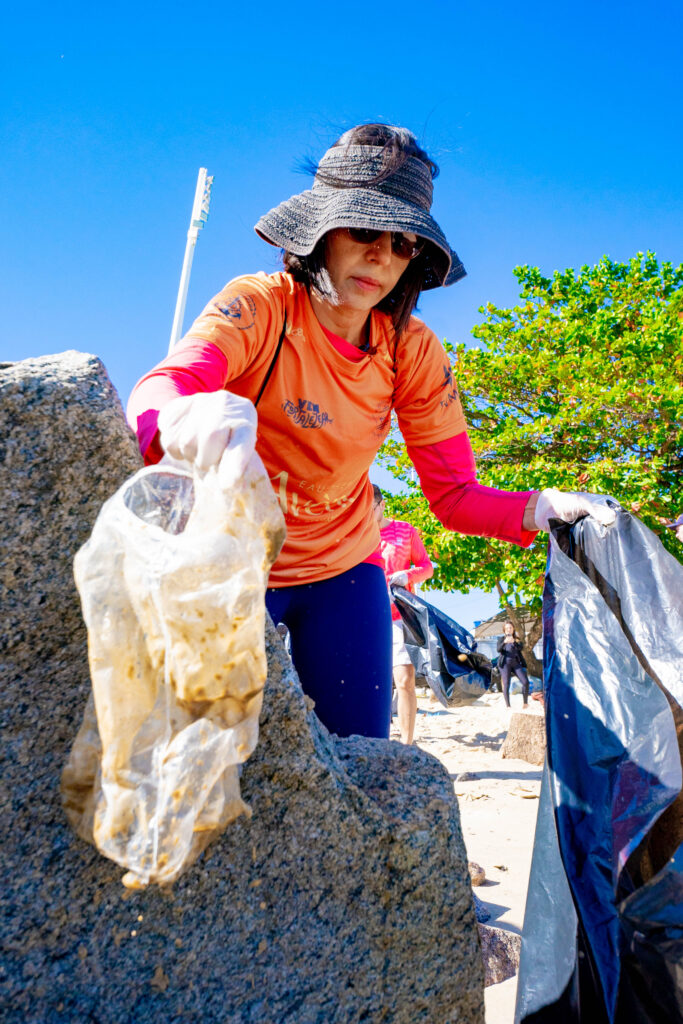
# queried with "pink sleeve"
point(193, 366)
point(449, 481)
point(422, 568)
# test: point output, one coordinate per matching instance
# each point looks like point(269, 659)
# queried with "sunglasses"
point(403, 246)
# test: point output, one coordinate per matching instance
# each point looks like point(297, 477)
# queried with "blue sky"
point(556, 127)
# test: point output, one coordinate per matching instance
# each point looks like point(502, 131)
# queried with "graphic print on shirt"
point(382, 413)
point(241, 311)
point(449, 384)
point(306, 414)
point(323, 508)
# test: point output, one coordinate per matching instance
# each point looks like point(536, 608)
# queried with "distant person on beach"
point(327, 348)
point(511, 659)
point(406, 563)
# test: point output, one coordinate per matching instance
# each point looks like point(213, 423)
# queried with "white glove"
point(398, 579)
point(568, 506)
point(214, 429)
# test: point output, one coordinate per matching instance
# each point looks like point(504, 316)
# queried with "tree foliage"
point(580, 387)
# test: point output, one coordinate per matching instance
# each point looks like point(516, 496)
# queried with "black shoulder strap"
point(272, 363)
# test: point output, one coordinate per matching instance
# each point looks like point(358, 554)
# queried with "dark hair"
point(378, 493)
point(508, 622)
point(398, 145)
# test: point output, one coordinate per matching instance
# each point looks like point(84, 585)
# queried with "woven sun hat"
point(399, 202)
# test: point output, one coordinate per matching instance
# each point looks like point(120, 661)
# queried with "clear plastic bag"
point(172, 583)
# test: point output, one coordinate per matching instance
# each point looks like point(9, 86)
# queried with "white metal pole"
point(200, 213)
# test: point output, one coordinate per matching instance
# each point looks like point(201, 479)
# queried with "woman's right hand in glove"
point(215, 429)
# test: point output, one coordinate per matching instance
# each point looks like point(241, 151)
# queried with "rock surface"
point(500, 951)
point(526, 737)
point(346, 897)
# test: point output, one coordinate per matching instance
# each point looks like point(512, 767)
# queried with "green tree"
point(580, 387)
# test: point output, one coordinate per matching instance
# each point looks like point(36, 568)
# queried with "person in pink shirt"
point(406, 563)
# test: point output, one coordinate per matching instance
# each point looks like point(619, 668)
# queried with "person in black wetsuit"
point(511, 659)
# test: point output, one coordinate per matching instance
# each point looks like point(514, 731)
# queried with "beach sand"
point(498, 799)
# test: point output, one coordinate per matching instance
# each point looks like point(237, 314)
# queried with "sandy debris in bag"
point(177, 658)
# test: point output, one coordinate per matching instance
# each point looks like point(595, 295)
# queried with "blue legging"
point(340, 633)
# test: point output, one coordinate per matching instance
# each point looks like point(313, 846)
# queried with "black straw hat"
point(399, 202)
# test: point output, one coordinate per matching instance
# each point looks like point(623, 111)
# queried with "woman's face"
point(362, 274)
point(508, 629)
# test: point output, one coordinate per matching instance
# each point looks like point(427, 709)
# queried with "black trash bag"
point(442, 651)
point(603, 928)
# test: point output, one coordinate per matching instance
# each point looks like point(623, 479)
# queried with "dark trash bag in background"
point(603, 928)
point(442, 651)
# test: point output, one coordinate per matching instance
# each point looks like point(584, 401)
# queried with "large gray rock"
point(345, 897)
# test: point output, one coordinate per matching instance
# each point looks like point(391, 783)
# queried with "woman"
point(511, 659)
point(326, 349)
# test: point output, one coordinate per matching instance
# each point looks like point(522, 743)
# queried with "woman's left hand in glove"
point(398, 579)
point(565, 505)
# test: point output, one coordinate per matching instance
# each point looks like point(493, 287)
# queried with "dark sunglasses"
point(402, 246)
